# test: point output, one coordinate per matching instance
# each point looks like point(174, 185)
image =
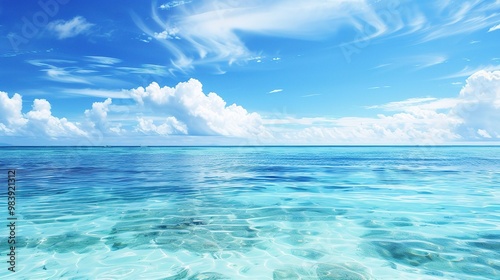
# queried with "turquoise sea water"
point(254, 213)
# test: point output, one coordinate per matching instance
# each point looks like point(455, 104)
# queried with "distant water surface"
point(255, 212)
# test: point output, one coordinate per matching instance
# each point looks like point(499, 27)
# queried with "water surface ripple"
point(256, 212)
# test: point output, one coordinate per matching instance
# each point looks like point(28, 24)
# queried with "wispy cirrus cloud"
point(423, 103)
point(103, 59)
point(65, 71)
point(429, 60)
point(104, 93)
point(311, 95)
point(99, 71)
point(211, 31)
point(494, 28)
point(455, 18)
point(71, 28)
point(276, 90)
point(417, 62)
point(469, 70)
point(378, 87)
point(173, 4)
point(148, 69)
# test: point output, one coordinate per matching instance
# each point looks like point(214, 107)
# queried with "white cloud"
point(311, 95)
point(38, 122)
point(98, 118)
point(479, 105)
point(65, 71)
point(42, 123)
point(430, 103)
point(148, 69)
point(257, 58)
point(11, 118)
point(471, 116)
point(173, 4)
point(170, 33)
point(430, 60)
point(468, 71)
point(66, 74)
point(384, 65)
point(287, 120)
point(170, 126)
point(418, 126)
point(99, 93)
point(378, 87)
point(103, 59)
point(62, 75)
point(203, 114)
point(212, 29)
point(483, 85)
point(461, 17)
point(99, 111)
point(419, 61)
point(483, 133)
point(71, 28)
point(186, 111)
point(494, 28)
point(276, 90)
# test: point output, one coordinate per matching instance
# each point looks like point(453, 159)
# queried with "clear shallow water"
point(255, 213)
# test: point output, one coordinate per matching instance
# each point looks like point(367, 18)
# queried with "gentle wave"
point(256, 212)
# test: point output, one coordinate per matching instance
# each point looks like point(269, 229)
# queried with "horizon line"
point(249, 146)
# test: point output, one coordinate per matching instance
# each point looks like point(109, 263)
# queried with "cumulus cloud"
point(187, 111)
point(472, 115)
point(39, 121)
point(11, 118)
point(98, 114)
point(479, 106)
point(183, 109)
point(202, 113)
point(170, 33)
point(71, 28)
point(415, 126)
point(42, 123)
point(170, 126)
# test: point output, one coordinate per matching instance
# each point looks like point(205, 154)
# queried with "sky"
point(254, 72)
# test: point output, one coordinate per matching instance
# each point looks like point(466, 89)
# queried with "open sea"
point(253, 212)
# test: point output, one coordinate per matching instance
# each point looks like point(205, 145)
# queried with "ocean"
point(252, 212)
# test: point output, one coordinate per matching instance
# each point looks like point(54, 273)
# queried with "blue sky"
point(249, 72)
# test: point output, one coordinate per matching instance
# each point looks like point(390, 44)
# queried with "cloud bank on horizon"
point(185, 109)
point(226, 72)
